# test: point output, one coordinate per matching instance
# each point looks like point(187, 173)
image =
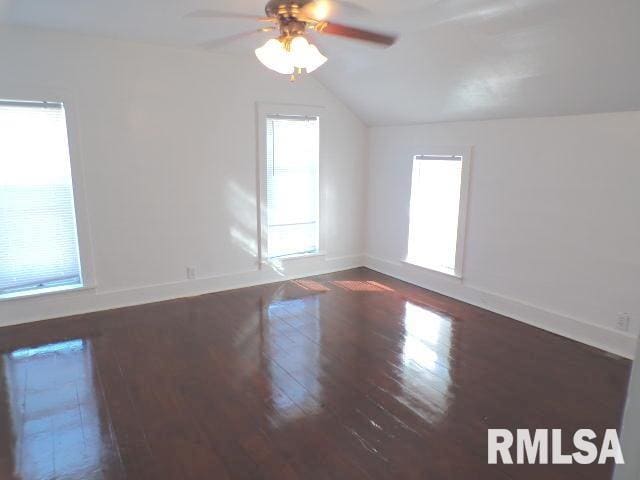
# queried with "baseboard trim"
point(612, 341)
point(25, 310)
point(63, 304)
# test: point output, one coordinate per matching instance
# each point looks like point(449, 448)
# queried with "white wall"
point(167, 143)
point(553, 230)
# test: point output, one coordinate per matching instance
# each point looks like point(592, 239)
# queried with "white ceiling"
point(455, 60)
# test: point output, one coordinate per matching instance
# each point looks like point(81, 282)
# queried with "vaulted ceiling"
point(455, 60)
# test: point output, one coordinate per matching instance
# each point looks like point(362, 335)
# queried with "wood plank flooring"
point(352, 375)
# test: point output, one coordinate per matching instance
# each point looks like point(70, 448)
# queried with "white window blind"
point(38, 239)
point(434, 212)
point(292, 185)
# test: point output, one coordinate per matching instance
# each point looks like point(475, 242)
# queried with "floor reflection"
point(426, 374)
point(294, 346)
point(422, 332)
point(53, 411)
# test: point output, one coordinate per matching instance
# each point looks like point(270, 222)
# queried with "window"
point(435, 215)
point(38, 238)
point(292, 185)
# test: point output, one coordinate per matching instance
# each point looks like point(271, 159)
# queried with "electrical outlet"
point(191, 273)
point(623, 321)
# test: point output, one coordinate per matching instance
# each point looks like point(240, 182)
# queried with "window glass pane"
point(292, 185)
point(38, 240)
point(434, 211)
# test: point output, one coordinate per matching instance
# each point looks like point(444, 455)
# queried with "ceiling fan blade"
point(219, 42)
point(323, 9)
point(221, 14)
point(331, 28)
point(352, 7)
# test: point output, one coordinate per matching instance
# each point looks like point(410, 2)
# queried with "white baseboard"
point(68, 303)
point(63, 304)
point(619, 343)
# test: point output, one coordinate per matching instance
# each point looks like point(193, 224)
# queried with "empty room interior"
point(319, 239)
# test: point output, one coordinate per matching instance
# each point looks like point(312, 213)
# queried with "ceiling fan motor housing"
point(287, 12)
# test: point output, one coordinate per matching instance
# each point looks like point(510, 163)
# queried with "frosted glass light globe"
point(299, 48)
point(305, 55)
point(275, 57)
point(314, 59)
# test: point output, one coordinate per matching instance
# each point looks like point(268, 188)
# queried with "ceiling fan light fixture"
point(285, 56)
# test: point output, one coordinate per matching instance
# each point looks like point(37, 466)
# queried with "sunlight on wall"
point(243, 206)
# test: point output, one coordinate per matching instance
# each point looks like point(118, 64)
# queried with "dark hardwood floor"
point(343, 376)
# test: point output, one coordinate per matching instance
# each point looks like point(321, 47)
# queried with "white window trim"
point(44, 292)
point(83, 226)
point(263, 110)
point(466, 153)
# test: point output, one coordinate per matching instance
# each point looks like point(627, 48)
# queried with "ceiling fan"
point(291, 53)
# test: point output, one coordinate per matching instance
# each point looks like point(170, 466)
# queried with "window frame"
point(446, 151)
point(83, 229)
point(264, 110)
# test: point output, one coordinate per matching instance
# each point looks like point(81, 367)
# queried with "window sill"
point(295, 256)
point(45, 292)
point(445, 273)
